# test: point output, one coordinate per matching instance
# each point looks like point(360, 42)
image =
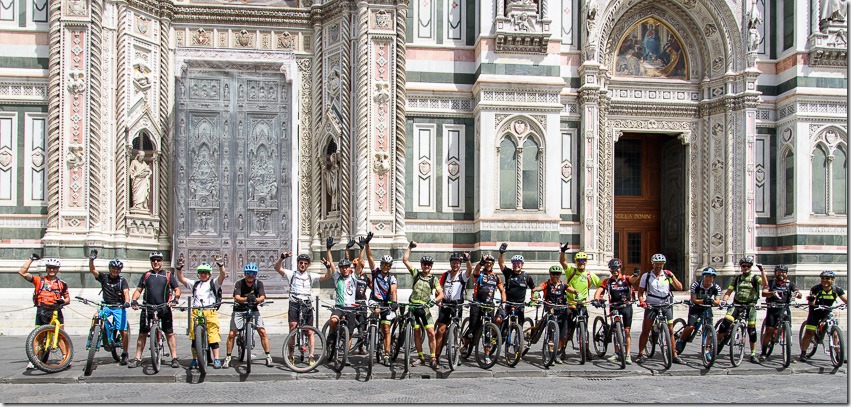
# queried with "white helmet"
point(52, 263)
point(386, 259)
point(658, 258)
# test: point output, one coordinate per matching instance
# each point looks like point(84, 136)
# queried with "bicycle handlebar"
point(100, 304)
point(831, 308)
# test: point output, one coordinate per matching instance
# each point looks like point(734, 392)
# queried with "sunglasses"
point(827, 278)
point(516, 262)
point(581, 261)
point(157, 260)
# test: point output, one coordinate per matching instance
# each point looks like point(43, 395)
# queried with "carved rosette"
point(381, 113)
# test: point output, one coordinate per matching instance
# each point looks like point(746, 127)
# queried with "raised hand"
point(284, 255)
point(503, 247)
point(465, 256)
point(350, 244)
point(329, 243)
point(368, 238)
point(180, 263)
point(412, 244)
point(361, 242)
point(564, 247)
point(218, 259)
point(93, 254)
point(325, 263)
point(34, 257)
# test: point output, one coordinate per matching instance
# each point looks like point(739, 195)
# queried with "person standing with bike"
point(344, 288)
point(248, 293)
point(746, 289)
point(49, 291)
point(424, 284)
point(301, 283)
point(704, 293)
point(619, 288)
point(779, 291)
point(655, 289)
point(157, 286)
point(555, 293)
point(454, 284)
point(204, 292)
point(580, 280)
point(115, 290)
point(486, 285)
point(383, 293)
point(823, 294)
point(517, 282)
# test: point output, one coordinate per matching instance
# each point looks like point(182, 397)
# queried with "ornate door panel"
point(673, 208)
point(232, 160)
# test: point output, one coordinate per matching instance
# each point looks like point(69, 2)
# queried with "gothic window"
point(35, 161)
point(455, 20)
point(39, 11)
point(819, 181)
point(789, 182)
point(840, 181)
point(8, 159)
point(521, 174)
point(788, 24)
point(531, 174)
point(507, 174)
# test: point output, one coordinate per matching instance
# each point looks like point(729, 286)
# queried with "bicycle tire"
point(836, 344)
point(708, 346)
point(341, 347)
point(201, 347)
point(301, 349)
point(453, 345)
point(620, 347)
point(407, 342)
point(527, 326)
point(651, 343)
point(372, 338)
point(396, 338)
point(600, 336)
point(814, 341)
point(737, 344)
point(156, 357)
point(665, 346)
point(115, 343)
point(94, 337)
point(582, 334)
point(513, 344)
point(785, 342)
point(679, 326)
point(489, 340)
point(247, 342)
point(550, 337)
point(325, 328)
point(726, 339)
point(465, 351)
point(38, 352)
point(767, 349)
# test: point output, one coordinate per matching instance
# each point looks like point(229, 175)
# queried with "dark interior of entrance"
point(650, 201)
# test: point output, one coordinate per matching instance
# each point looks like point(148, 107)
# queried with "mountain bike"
point(737, 334)
point(827, 326)
point(49, 347)
point(452, 338)
point(488, 338)
point(512, 333)
point(661, 335)
point(201, 349)
point(156, 336)
point(550, 333)
point(582, 331)
point(103, 332)
point(373, 337)
point(702, 327)
point(405, 340)
point(338, 349)
point(782, 333)
point(604, 333)
point(245, 337)
point(529, 325)
point(304, 342)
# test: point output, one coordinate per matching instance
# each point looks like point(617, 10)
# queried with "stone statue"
point(590, 18)
point(754, 21)
point(140, 178)
point(332, 175)
point(834, 10)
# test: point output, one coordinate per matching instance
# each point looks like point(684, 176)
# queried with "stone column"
point(591, 211)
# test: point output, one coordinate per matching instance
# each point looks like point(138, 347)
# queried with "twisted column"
point(53, 108)
point(401, 101)
point(345, 126)
point(94, 136)
point(362, 112)
point(162, 161)
point(121, 187)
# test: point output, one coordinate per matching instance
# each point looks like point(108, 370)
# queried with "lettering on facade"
point(636, 216)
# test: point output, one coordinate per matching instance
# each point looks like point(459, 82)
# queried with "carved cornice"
point(653, 109)
point(20, 92)
point(522, 42)
point(829, 48)
point(243, 15)
point(233, 58)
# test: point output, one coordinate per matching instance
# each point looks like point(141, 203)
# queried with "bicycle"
point(301, 343)
point(202, 347)
point(156, 335)
point(702, 326)
point(49, 347)
point(103, 332)
point(829, 325)
point(488, 339)
point(374, 341)
point(604, 333)
point(582, 331)
point(452, 338)
point(245, 338)
point(550, 333)
point(782, 333)
point(338, 351)
point(661, 335)
point(512, 333)
point(405, 339)
point(737, 331)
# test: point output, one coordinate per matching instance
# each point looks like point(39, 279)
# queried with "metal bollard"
point(189, 315)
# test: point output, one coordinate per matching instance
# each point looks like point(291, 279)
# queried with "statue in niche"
point(590, 18)
point(226, 222)
point(140, 179)
point(332, 174)
point(240, 222)
point(754, 21)
point(834, 10)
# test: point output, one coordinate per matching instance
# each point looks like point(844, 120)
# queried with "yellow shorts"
point(212, 326)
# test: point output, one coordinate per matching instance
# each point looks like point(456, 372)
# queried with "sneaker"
point(134, 363)
point(291, 360)
point(614, 359)
point(417, 361)
point(123, 361)
point(753, 358)
point(762, 358)
point(386, 360)
point(30, 366)
point(588, 354)
point(435, 364)
point(269, 360)
point(487, 360)
point(639, 359)
point(217, 364)
point(226, 363)
point(175, 363)
point(676, 359)
point(311, 361)
point(803, 357)
point(557, 360)
point(628, 360)
point(193, 364)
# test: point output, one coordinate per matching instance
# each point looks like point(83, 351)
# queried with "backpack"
point(167, 284)
point(737, 279)
point(62, 287)
point(647, 278)
point(217, 291)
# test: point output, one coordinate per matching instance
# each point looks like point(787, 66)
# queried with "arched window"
point(789, 182)
point(507, 174)
point(819, 177)
point(530, 174)
point(840, 181)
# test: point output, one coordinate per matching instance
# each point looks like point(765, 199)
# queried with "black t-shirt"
point(242, 289)
point(113, 288)
point(826, 298)
point(157, 286)
point(555, 293)
point(485, 286)
point(785, 289)
point(619, 289)
point(363, 282)
point(516, 285)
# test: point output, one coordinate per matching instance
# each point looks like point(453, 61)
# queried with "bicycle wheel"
point(465, 351)
point(94, 337)
point(200, 332)
point(300, 352)
point(836, 345)
point(785, 342)
point(811, 350)
point(724, 341)
point(40, 352)
point(325, 328)
point(708, 346)
point(114, 340)
point(247, 343)
point(737, 344)
point(528, 324)
point(371, 338)
point(767, 349)
point(620, 349)
point(600, 336)
point(487, 349)
point(407, 342)
point(679, 325)
point(513, 344)
point(650, 348)
point(665, 347)
point(397, 337)
point(453, 345)
point(549, 343)
point(582, 334)
point(341, 347)
point(156, 356)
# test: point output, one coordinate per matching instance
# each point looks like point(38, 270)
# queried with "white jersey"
point(300, 283)
point(203, 294)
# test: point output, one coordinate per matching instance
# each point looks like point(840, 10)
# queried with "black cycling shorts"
point(165, 320)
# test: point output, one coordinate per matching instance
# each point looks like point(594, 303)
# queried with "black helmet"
point(615, 264)
point(427, 260)
point(487, 258)
point(781, 267)
point(344, 263)
point(303, 257)
point(746, 260)
point(156, 256)
point(455, 256)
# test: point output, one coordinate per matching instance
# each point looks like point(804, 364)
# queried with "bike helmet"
point(386, 259)
point(580, 256)
point(828, 274)
point(52, 263)
point(746, 260)
point(116, 264)
point(658, 258)
point(204, 268)
point(344, 263)
point(517, 257)
point(427, 260)
point(615, 264)
point(455, 256)
point(709, 271)
point(781, 267)
point(156, 256)
point(487, 258)
point(556, 269)
point(303, 257)
point(251, 269)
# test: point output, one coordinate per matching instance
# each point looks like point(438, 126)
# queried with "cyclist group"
point(652, 290)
